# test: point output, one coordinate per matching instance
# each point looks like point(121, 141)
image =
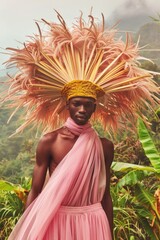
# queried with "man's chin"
point(80, 120)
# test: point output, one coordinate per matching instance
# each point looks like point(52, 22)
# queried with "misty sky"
point(17, 16)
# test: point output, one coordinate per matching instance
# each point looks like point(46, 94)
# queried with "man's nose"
point(82, 109)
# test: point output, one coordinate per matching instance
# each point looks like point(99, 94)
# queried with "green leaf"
point(132, 178)
point(148, 228)
point(148, 146)
point(145, 198)
point(6, 186)
point(123, 167)
point(143, 212)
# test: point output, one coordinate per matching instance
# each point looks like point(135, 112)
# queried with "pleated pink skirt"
point(79, 223)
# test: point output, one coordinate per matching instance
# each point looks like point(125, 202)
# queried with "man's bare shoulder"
point(50, 136)
point(47, 140)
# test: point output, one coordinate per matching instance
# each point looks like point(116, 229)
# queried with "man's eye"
point(76, 104)
point(88, 105)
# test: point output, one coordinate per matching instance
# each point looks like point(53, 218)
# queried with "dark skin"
point(50, 152)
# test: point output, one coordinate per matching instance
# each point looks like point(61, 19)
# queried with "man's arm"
point(40, 170)
point(108, 149)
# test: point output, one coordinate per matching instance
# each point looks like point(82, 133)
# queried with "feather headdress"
point(87, 52)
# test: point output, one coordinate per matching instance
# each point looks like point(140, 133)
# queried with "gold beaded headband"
point(82, 88)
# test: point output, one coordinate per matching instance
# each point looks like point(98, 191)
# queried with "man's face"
point(81, 109)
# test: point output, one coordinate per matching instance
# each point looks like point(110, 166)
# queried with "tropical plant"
point(12, 201)
point(136, 209)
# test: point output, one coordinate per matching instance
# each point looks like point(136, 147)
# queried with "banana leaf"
point(148, 146)
point(146, 199)
point(125, 167)
point(132, 178)
point(6, 186)
point(9, 187)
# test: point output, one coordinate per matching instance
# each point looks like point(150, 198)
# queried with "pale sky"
point(17, 17)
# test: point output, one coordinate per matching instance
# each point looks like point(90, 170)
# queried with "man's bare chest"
point(60, 148)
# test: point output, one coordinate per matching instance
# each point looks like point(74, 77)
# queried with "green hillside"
point(17, 154)
point(150, 38)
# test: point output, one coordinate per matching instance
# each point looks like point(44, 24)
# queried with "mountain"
point(150, 37)
point(131, 15)
point(131, 23)
point(147, 33)
point(135, 17)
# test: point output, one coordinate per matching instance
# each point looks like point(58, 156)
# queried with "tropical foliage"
point(136, 210)
point(12, 201)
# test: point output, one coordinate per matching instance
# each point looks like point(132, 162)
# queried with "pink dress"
point(69, 206)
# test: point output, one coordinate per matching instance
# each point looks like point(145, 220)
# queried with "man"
point(86, 66)
point(54, 146)
point(69, 207)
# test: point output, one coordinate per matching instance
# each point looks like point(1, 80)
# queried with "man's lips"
point(82, 117)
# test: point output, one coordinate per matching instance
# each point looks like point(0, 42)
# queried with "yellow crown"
point(82, 88)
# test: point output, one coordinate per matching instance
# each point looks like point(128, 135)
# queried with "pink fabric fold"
point(78, 180)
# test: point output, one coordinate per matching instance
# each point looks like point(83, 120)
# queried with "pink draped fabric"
point(69, 206)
